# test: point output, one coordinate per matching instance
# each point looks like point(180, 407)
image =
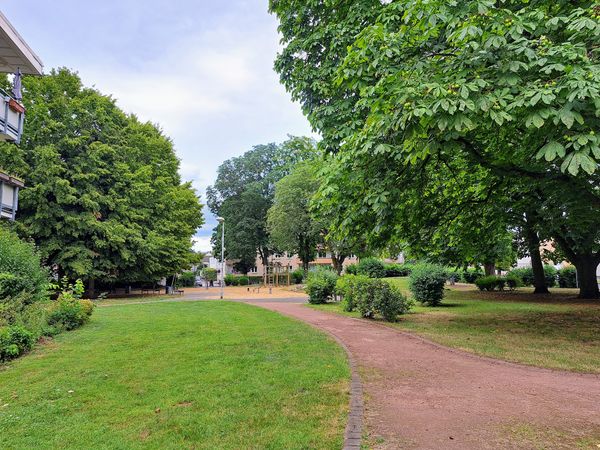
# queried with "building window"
point(254, 270)
point(322, 254)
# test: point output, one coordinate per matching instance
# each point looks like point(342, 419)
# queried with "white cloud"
point(202, 244)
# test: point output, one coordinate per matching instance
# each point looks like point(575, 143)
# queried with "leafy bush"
point(346, 287)
point(371, 267)
point(567, 277)
point(427, 283)
point(526, 275)
point(398, 270)
point(298, 276)
point(186, 279)
point(470, 276)
point(352, 269)
point(209, 274)
point(550, 274)
point(512, 282)
point(489, 283)
point(231, 280)
point(23, 282)
point(21, 269)
point(320, 285)
point(68, 313)
point(14, 341)
point(378, 297)
point(236, 280)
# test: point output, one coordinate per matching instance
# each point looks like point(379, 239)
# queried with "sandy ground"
point(420, 395)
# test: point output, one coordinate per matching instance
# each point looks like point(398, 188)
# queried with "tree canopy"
point(104, 199)
point(243, 193)
point(466, 117)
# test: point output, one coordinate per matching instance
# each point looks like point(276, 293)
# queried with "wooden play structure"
point(276, 275)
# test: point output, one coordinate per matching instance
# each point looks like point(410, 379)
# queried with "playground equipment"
point(276, 275)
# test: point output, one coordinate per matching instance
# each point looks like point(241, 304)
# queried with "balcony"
point(11, 118)
point(9, 196)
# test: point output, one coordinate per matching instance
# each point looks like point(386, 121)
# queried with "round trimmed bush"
point(427, 283)
point(14, 341)
point(320, 285)
point(371, 267)
point(567, 277)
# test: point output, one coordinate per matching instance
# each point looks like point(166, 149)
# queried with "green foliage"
point(209, 274)
point(374, 297)
point(427, 283)
point(68, 313)
point(449, 121)
point(490, 283)
point(320, 285)
point(104, 198)
point(525, 274)
point(14, 341)
point(567, 277)
point(352, 269)
point(236, 280)
point(298, 276)
point(471, 275)
point(398, 270)
point(291, 224)
point(371, 267)
point(243, 193)
point(20, 269)
point(186, 279)
point(347, 288)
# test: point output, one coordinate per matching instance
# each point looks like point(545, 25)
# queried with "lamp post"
point(222, 222)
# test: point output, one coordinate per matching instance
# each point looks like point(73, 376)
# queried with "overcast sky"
point(202, 69)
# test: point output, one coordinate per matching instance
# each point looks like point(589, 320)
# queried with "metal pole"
point(222, 257)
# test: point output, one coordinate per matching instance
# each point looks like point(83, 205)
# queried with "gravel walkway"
point(424, 396)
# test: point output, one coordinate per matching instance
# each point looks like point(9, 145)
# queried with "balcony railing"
point(9, 196)
point(12, 114)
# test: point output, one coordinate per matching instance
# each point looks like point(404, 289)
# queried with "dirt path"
point(420, 395)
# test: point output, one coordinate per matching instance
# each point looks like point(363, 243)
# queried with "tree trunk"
point(91, 290)
point(537, 266)
point(586, 276)
point(338, 262)
point(490, 269)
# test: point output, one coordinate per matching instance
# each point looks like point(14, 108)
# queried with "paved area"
point(424, 396)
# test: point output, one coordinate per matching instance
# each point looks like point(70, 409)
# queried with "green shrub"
point(298, 276)
point(14, 341)
point(209, 274)
point(471, 275)
point(255, 279)
point(231, 280)
point(489, 283)
point(346, 287)
point(371, 267)
point(69, 312)
point(427, 283)
point(320, 285)
point(23, 282)
point(352, 269)
point(186, 279)
point(236, 280)
point(378, 297)
point(512, 282)
point(567, 277)
point(550, 274)
point(526, 275)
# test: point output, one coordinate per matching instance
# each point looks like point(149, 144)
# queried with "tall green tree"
point(243, 193)
point(104, 199)
point(292, 226)
point(508, 90)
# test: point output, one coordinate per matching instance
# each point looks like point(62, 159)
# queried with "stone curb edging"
point(354, 427)
point(353, 433)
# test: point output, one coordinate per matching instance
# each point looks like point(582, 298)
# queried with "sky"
point(201, 69)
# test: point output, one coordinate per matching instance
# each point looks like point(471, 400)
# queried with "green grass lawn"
point(178, 375)
point(556, 331)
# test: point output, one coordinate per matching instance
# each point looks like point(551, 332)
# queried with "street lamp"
point(222, 222)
